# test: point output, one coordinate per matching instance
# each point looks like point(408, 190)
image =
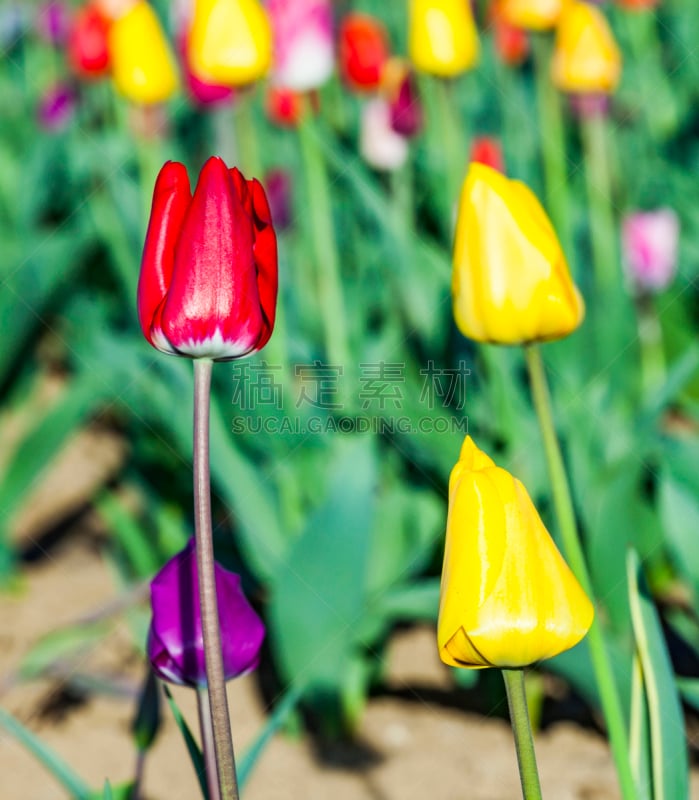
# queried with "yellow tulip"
point(143, 67)
point(586, 58)
point(507, 597)
point(510, 281)
point(230, 41)
point(532, 15)
point(442, 37)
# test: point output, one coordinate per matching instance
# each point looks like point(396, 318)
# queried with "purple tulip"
point(52, 22)
point(56, 107)
point(406, 109)
point(650, 240)
point(175, 641)
point(277, 182)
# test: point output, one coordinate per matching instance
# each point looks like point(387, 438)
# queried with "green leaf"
point(128, 532)
point(669, 763)
point(274, 722)
point(413, 602)
point(639, 734)
point(689, 689)
point(54, 764)
point(319, 594)
point(195, 753)
point(60, 645)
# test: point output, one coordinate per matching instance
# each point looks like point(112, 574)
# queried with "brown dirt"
point(410, 748)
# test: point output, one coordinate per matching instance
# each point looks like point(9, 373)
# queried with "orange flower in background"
point(586, 57)
point(284, 106)
point(442, 37)
point(363, 52)
point(532, 15)
point(488, 150)
point(511, 42)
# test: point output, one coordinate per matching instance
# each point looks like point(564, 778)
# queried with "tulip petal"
point(212, 309)
point(171, 199)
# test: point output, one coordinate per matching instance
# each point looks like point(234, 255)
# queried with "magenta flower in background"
point(175, 641)
point(304, 49)
point(406, 108)
point(56, 107)
point(202, 92)
point(649, 242)
point(53, 22)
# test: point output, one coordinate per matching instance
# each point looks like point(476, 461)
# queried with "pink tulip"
point(650, 240)
point(381, 147)
point(304, 52)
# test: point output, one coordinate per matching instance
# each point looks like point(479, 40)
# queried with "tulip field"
point(349, 399)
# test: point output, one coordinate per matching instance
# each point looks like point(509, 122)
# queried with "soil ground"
point(411, 743)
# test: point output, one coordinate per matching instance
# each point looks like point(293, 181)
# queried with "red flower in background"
point(88, 51)
point(511, 42)
point(488, 151)
point(208, 283)
point(363, 51)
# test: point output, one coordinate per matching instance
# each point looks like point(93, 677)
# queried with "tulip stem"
point(207, 741)
point(572, 547)
point(522, 729)
point(322, 231)
point(553, 144)
point(449, 140)
point(203, 530)
point(603, 231)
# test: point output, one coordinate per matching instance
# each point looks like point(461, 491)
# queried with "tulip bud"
point(175, 640)
point(586, 58)
point(143, 66)
point(278, 183)
point(208, 283)
point(532, 15)
point(230, 41)
point(304, 50)
point(56, 107)
point(487, 150)
point(442, 37)
point(53, 22)
point(511, 42)
point(510, 282)
point(88, 43)
point(363, 51)
point(284, 107)
point(380, 146)
point(399, 88)
point(507, 597)
point(649, 242)
point(201, 92)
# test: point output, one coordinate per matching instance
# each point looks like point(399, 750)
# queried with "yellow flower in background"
point(442, 37)
point(507, 597)
point(510, 282)
point(230, 41)
point(586, 57)
point(532, 15)
point(143, 66)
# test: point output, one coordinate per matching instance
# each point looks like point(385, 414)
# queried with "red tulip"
point(208, 283)
point(364, 50)
point(88, 51)
point(488, 151)
point(284, 106)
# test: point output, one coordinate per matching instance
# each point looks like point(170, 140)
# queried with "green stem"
point(650, 338)
point(521, 727)
point(246, 136)
point(325, 256)
point(572, 547)
point(203, 531)
point(603, 232)
point(207, 743)
point(553, 143)
point(449, 141)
